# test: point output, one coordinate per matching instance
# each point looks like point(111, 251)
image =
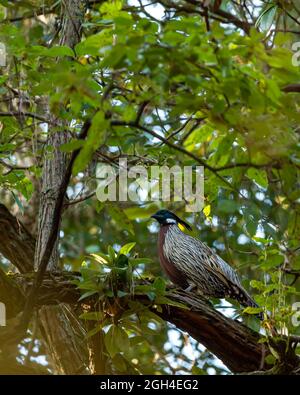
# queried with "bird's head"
point(166, 217)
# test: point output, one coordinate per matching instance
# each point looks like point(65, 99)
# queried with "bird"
point(191, 264)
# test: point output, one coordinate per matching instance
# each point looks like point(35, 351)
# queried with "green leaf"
point(150, 316)
point(114, 57)
point(111, 253)
point(122, 262)
point(259, 176)
point(296, 263)
point(160, 285)
point(200, 135)
point(151, 295)
point(170, 302)
point(270, 359)
point(139, 261)
point(274, 352)
point(260, 240)
point(71, 145)
point(272, 261)
point(267, 16)
point(94, 331)
point(227, 206)
point(91, 45)
point(60, 51)
point(120, 218)
point(111, 8)
point(143, 289)
point(121, 339)
point(92, 316)
point(7, 147)
point(141, 212)
point(51, 52)
point(251, 226)
point(121, 294)
point(136, 340)
point(120, 363)
point(126, 248)
point(100, 258)
point(94, 139)
point(253, 310)
point(257, 284)
point(110, 341)
point(198, 371)
point(86, 295)
point(19, 203)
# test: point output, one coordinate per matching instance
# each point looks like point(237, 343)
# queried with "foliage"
point(167, 90)
point(129, 327)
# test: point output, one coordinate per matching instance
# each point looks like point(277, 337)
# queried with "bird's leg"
point(190, 288)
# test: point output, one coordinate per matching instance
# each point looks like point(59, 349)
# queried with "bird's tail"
point(245, 300)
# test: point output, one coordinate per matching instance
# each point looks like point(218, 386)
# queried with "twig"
point(182, 127)
point(140, 111)
point(81, 199)
point(247, 164)
point(174, 146)
point(291, 88)
point(12, 167)
point(26, 114)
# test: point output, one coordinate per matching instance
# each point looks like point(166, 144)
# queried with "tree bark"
point(235, 344)
point(16, 243)
point(62, 340)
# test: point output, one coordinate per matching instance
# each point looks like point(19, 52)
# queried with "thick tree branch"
point(232, 342)
point(16, 243)
point(236, 345)
point(10, 295)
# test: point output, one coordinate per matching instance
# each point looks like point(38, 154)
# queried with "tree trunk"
point(65, 340)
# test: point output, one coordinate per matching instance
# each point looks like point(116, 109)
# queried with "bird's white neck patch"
point(170, 221)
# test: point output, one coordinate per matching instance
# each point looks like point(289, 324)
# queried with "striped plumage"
point(188, 262)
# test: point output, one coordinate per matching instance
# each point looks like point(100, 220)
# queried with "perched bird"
point(191, 264)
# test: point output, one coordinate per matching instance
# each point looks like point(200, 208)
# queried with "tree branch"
point(291, 88)
point(235, 344)
point(174, 146)
point(10, 295)
point(16, 243)
point(26, 114)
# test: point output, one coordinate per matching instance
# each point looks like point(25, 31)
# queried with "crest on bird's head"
point(165, 217)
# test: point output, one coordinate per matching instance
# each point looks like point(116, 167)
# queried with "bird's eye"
point(170, 221)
